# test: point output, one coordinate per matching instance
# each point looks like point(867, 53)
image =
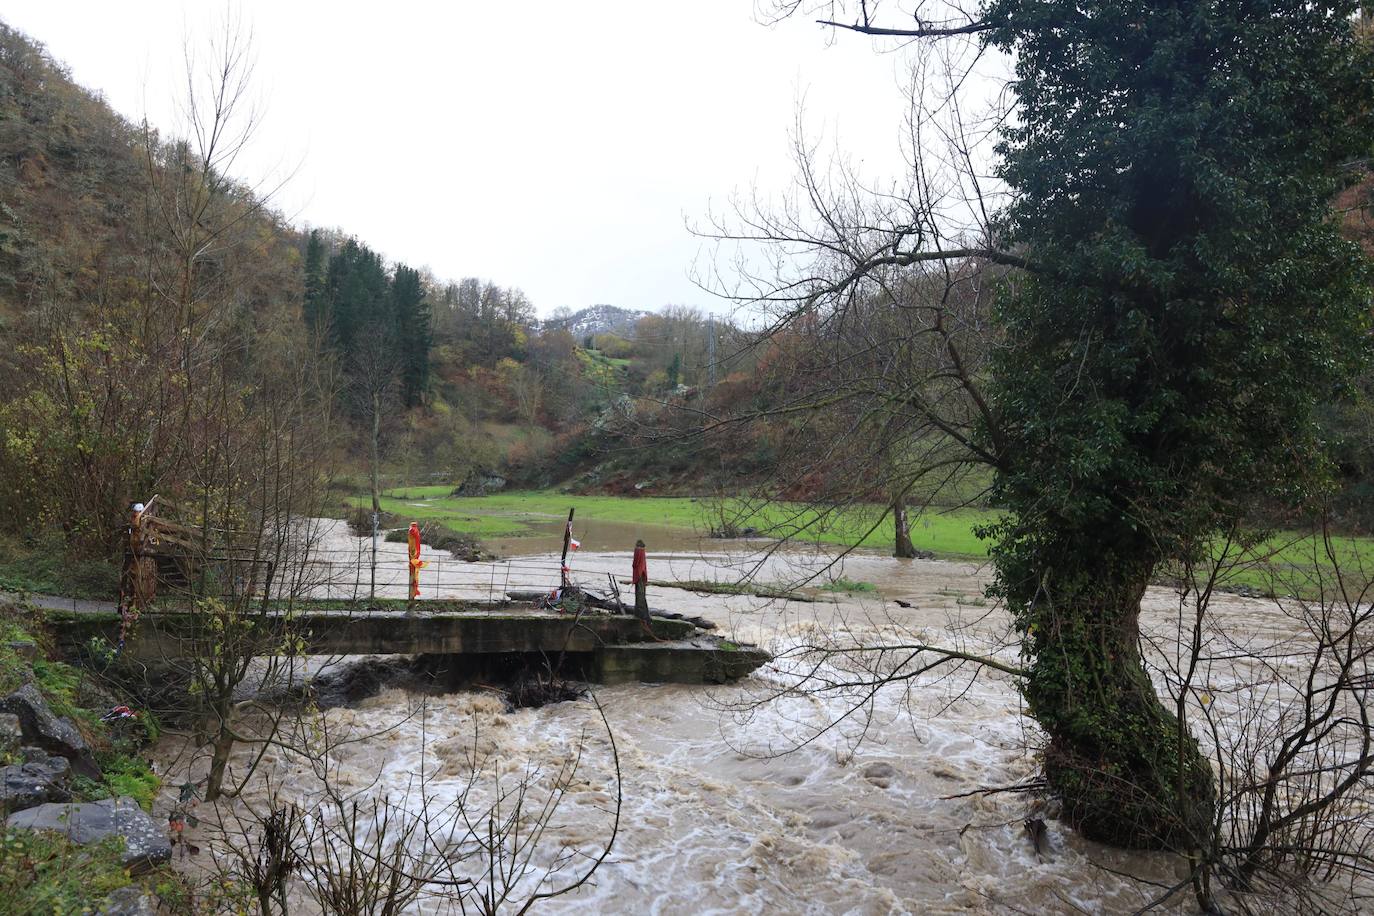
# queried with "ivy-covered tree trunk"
point(1126, 772)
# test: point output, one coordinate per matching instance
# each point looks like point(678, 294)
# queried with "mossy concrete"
point(698, 661)
point(608, 648)
point(160, 636)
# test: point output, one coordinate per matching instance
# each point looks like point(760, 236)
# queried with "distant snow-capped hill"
point(597, 319)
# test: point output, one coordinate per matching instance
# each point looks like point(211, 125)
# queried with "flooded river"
point(750, 798)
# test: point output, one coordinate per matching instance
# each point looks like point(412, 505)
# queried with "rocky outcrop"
point(40, 778)
point(45, 729)
point(11, 735)
point(128, 901)
point(145, 841)
point(596, 319)
point(482, 483)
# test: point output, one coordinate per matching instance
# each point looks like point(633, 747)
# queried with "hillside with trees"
point(136, 277)
point(162, 322)
point(1125, 311)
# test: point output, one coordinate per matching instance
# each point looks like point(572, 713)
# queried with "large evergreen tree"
point(414, 335)
point(316, 303)
point(359, 297)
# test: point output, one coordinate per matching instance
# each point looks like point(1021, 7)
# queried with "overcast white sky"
point(553, 146)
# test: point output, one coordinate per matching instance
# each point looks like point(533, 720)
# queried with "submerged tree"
point(1180, 300)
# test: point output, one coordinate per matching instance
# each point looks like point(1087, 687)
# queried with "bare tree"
point(240, 431)
point(836, 265)
point(492, 847)
point(1287, 710)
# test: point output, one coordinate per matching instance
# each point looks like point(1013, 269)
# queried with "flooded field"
point(753, 797)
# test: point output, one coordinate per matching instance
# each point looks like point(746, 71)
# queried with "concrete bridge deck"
point(608, 648)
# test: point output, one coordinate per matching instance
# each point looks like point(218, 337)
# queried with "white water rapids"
point(712, 820)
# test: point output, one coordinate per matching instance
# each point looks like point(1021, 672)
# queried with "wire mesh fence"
point(332, 565)
point(441, 577)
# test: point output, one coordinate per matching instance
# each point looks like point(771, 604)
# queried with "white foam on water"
point(878, 815)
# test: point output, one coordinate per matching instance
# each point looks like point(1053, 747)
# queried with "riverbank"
point(779, 793)
point(542, 513)
point(756, 797)
point(68, 764)
point(1288, 562)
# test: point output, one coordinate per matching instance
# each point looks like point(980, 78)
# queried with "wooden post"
point(563, 563)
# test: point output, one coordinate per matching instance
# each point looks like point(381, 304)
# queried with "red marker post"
point(639, 575)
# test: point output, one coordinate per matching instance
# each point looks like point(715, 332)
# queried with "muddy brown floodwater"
point(713, 820)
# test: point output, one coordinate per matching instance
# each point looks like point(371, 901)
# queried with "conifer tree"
point(315, 302)
point(414, 336)
point(359, 299)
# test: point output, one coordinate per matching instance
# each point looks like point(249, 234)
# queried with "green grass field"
point(511, 514)
point(1290, 555)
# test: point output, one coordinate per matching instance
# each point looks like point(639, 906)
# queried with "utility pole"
point(376, 503)
point(372, 585)
point(711, 351)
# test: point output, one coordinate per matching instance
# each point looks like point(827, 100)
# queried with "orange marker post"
point(413, 539)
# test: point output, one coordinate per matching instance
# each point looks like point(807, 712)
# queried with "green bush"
point(59, 683)
point(45, 566)
point(45, 873)
point(848, 585)
point(131, 776)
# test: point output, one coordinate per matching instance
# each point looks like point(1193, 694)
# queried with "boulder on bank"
point(11, 734)
point(145, 841)
point(481, 484)
point(40, 778)
point(439, 537)
point(128, 901)
point(44, 728)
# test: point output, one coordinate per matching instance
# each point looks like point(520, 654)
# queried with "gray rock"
point(24, 648)
point(880, 774)
point(54, 734)
point(480, 484)
point(145, 841)
point(128, 901)
point(11, 734)
point(23, 785)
